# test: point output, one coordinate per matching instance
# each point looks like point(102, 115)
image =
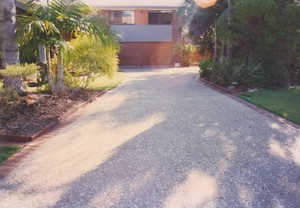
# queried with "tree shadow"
point(203, 150)
point(210, 154)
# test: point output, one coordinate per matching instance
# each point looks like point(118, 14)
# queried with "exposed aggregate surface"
point(161, 139)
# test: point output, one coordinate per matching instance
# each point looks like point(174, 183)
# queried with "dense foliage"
point(266, 33)
point(55, 25)
point(88, 59)
point(186, 54)
point(236, 72)
point(19, 70)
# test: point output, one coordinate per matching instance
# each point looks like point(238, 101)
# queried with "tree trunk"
point(43, 63)
point(15, 83)
point(216, 42)
point(2, 31)
point(9, 44)
point(10, 52)
point(60, 88)
point(49, 72)
point(229, 18)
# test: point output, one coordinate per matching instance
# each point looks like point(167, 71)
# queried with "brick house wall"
point(144, 44)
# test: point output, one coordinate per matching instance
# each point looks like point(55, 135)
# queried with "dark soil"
point(30, 114)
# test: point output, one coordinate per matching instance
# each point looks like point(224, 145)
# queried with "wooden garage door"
point(146, 54)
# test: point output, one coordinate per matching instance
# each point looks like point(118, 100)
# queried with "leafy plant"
point(57, 24)
point(185, 53)
point(205, 68)
point(89, 59)
point(9, 101)
point(228, 73)
point(19, 70)
point(14, 76)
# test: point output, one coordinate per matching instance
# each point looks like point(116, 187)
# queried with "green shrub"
point(17, 70)
point(9, 101)
point(205, 68)
point(185, 53)
point(227, 73)
point(89, 59)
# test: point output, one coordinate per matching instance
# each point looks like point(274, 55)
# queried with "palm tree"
point(56, 24)
point(2, 30)
point(9, 45)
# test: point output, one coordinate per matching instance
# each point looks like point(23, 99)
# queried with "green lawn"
point(7, 151)
point(284, 102)
point(102, 83)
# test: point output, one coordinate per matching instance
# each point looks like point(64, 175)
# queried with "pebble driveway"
point(161, 139)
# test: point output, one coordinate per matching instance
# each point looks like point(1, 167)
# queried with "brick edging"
point(256, 108)
point(10, 164)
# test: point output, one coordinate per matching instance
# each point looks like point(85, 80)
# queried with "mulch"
point(35, 111)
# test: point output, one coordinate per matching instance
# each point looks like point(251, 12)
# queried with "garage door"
point(146, 54)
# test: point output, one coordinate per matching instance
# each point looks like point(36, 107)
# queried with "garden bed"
point(36, 113)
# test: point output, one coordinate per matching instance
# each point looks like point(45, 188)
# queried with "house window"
point(160, 17)
point(122, 17)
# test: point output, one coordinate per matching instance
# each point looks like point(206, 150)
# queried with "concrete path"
point(161, 139)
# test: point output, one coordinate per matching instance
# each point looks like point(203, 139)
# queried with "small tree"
point(56, 24)
point(88, 59)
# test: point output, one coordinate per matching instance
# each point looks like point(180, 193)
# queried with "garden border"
point(233, 95)
point(25, 138)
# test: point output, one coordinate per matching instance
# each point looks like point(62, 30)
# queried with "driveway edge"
point(260, 110)
point(38, 139)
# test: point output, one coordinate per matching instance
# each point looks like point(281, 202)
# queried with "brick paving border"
point(40, 138)
point(252, 106)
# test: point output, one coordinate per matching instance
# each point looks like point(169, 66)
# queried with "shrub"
point(89, 59)
point(205, 68)
point(185, 53)
point(17, 70)
point(227, 73)
point(9, 101)
point(14, 76)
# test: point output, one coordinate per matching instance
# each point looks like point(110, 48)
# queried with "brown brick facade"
point(148, 53)
point(141, 17)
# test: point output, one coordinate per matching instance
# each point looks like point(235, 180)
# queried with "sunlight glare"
point(198, 189)
point(205, 3)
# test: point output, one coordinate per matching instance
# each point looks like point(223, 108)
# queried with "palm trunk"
point(60, 88)
point(229, 43)
point(10, 45)
point(216, 42)
point(49, 73)
point(2, 31)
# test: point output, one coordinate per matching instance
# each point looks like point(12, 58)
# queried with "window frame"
point(111, 12)
point(160, 12)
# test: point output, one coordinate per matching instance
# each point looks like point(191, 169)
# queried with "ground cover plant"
point(284, 102)
point(7, 151)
